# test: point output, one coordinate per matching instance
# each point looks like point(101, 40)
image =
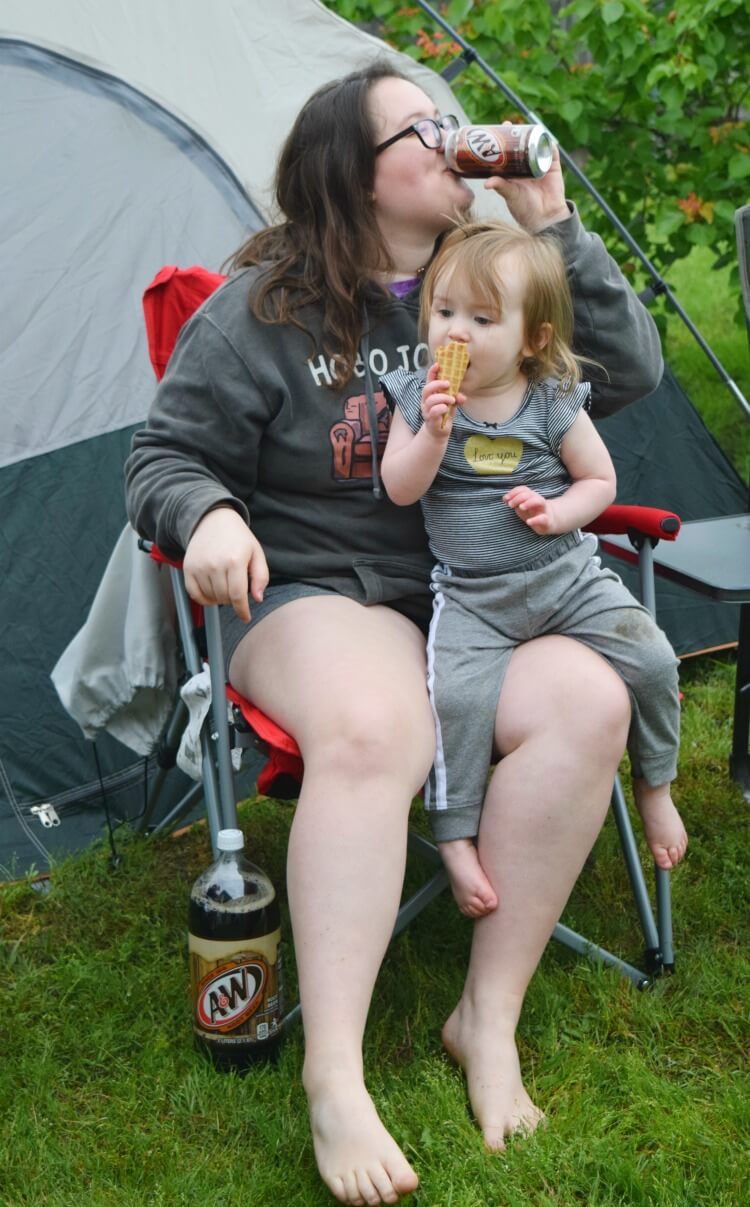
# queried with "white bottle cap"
point(230, 840)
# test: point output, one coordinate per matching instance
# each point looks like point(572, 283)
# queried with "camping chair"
point(235, 723)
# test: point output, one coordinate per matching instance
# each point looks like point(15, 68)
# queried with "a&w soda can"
point(499, 150)
point(235, 959)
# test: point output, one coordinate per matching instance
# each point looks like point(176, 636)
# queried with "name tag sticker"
point(493, 454)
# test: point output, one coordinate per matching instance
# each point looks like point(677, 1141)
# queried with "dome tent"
point(132, 134)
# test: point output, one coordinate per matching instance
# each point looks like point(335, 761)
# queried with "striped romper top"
point(468, 525)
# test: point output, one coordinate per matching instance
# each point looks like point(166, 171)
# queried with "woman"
point(267, 417)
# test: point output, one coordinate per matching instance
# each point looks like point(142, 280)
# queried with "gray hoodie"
point(247, 414)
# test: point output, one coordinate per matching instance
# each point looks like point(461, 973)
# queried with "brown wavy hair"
point(328, 246)
point(474, 248)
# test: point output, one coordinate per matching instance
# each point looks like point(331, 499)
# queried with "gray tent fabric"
point(117, 223)
point(104, 193)
point(134, 135)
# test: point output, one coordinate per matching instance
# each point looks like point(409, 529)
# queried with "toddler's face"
point(496, 338)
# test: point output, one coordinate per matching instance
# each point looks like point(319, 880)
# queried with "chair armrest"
point(650, 522)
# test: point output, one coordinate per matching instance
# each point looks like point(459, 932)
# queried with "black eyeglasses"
point(429, 131)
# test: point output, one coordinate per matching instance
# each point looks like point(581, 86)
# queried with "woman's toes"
point(353, 1197)
point(383, 1185)
point(342, 1189)
point(494, 1139)
point(367, 1190)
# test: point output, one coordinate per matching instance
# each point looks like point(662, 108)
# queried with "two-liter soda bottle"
point(235, 958)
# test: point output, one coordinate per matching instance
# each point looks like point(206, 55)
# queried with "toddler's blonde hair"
point(473, 249)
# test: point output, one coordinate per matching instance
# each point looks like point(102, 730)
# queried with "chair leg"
point(220, 724)
point(166, 757)
point(739, 763)
point(428, 891)
point(220, 809)
point(663, 884)
point(664, 915)
point(654, 937)
point(180, 810)
point(583, 947)
point(654, 955)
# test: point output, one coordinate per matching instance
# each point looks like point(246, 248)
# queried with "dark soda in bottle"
point(235, 959)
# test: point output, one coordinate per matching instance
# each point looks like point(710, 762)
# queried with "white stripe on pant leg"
point(441, 794)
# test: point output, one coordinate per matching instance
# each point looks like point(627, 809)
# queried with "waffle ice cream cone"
point(453, 361)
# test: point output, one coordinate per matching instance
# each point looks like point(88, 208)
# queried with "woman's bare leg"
point(561, 727)
point(349, 684)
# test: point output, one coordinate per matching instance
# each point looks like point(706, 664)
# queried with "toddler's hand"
point(438, 406)
point(532, 508)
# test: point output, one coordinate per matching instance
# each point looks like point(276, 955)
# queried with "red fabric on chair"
point(284, 764)
point(168, 302)
point(265, 728)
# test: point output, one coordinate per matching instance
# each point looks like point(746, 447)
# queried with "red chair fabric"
point(170, 299)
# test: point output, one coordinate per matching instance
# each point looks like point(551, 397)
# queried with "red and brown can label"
point(483, 145)
point(509, 150)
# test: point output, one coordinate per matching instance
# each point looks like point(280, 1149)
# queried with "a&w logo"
point(484, 146)
point(230, 994)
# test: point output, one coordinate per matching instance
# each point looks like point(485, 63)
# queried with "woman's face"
point(413, 187)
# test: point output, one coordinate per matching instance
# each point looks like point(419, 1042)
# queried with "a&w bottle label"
point(236, 995)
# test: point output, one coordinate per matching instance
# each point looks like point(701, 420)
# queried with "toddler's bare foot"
point(665, 833)
point(357, 1158)
point(473, 892)
point(489, 1058)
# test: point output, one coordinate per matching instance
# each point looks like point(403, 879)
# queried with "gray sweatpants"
point(477, 623)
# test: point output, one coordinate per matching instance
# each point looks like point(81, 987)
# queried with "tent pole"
point(658, 284)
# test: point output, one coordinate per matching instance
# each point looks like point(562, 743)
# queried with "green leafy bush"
point(649, 98)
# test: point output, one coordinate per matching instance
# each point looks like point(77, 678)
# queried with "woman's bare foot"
point(473, 892)
point(665, 833)
point(489, 1058)
point(357, 1158)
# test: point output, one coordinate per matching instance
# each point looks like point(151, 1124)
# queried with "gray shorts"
point(417, 608)
point(479, 621)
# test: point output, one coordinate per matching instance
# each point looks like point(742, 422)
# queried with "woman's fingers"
point(235, 591)
point(258, 572)
point(223, 561)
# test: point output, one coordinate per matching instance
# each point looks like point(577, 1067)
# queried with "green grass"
point(648, 1094)
point(105, 1102)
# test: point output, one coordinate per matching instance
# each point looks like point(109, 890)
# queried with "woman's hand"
point(222, 557)
point(535, 202)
